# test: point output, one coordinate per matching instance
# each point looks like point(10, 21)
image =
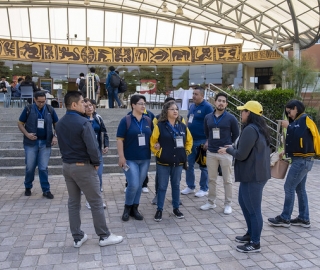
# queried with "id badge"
point(190, 118)
point(40, 123)
point(179, 142)
point(142, 139)
point(216, 133)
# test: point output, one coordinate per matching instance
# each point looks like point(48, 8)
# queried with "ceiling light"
point(86, 2)
point(238, 35)
point(179, 10)
point(164, 7)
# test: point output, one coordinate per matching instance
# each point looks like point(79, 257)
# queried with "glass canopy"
point(261, 24)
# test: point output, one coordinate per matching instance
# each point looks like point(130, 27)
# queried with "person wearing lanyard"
point(35, 122)
point(134, 154)
point(196, 115)
point(221, 129)
point(99, 129)
point(171, 143)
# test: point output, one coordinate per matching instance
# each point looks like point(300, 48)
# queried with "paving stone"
point(35, 234)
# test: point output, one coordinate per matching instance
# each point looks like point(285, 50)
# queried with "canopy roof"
point(263, 24)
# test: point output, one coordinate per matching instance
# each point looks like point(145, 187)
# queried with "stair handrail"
point(273, 126)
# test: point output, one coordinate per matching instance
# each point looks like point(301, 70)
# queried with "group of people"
point(174, 144)
point(113, 95)
point(16, 86)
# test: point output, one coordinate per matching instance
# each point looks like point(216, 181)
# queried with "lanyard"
point(220, 118)
point(40, 114)
point(174, 130)
point(139, 124)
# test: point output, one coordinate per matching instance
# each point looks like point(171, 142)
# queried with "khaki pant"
point(225, 162)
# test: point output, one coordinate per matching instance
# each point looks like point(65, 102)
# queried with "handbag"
point(280, 168)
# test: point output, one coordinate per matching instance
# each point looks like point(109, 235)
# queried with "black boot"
point(126, 212)
point(135, 213)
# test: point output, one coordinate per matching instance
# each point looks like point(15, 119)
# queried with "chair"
point(26, 93)
point(10, 100)
point(162, 98)
point(179, 103)
point(153, 100)
point(60, 98)
point(190, 103)
point(3, 99)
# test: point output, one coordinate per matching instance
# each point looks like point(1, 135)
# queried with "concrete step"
point(55, 160)
point(57, 169)
point(7, 144)
point(18, 136)
point(19, 152)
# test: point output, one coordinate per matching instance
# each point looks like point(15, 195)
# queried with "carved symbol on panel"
point(66, 54)
point(102, 55)
point(206, 54)
point(178, 55)
point(141, 53)
point(87, 55)
point(158, 56)
point(9, 48)
point(124, 56)
point(230, 53)
point(30, 52)
point(48, 52)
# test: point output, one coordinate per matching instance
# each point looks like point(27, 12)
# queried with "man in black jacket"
point(80, 155)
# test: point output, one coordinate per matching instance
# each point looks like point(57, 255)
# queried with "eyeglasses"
point(173, 110)
point(141, 104)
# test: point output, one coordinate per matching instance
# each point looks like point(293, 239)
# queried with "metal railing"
point(274, 127)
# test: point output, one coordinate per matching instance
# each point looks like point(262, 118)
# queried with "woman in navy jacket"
point(302, 144)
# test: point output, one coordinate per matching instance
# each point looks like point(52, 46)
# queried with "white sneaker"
point(104, 206)
point(208, 206)
point(111, 240)
point(78, 243)
point(201, 193)
point(125, 190)
point(88, 205)
point(145, 190)
point(227, 210)
point(187, 190)
point(101, 189)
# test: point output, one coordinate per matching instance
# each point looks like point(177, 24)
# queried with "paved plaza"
point(34, 231)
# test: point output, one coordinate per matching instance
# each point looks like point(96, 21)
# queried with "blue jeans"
point(296, 182)
point(190, 177)
point(100, 170)
point(250, 198)
point(113, 95)
point(37, 155)
point(135, 176)
point(163, 174)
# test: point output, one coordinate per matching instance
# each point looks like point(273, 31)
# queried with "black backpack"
point(115, 80)
point(123, 87)
point(82, 83)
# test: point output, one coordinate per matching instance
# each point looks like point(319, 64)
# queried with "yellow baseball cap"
point(252, 106)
